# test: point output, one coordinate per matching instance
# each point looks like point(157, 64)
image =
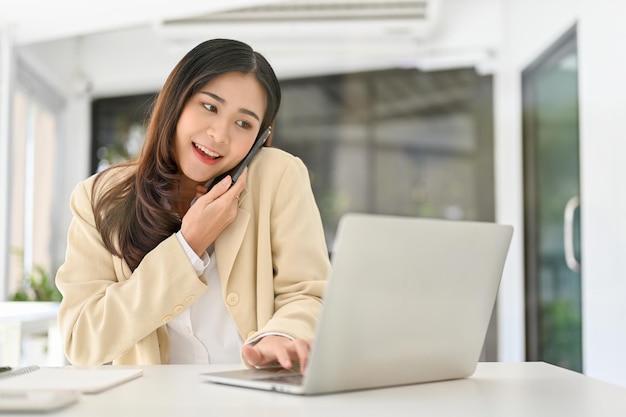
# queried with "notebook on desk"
point(408, 301)
point(84, 380)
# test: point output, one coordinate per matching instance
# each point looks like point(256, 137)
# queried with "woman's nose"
point(219, 131)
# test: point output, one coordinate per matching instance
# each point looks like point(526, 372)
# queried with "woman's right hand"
point(212, 213)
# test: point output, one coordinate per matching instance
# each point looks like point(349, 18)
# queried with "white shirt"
point(205, 332)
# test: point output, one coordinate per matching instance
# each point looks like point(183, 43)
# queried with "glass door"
point(552, 206)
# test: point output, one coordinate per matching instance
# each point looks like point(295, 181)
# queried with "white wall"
point(6, 80)
point(603, 183)
point(74, 160)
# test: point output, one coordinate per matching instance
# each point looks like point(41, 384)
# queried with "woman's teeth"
point(206, 151)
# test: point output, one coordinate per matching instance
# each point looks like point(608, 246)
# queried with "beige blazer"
point(272, 261)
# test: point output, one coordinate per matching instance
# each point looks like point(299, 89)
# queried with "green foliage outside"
point(36, 285)
point(561, 334)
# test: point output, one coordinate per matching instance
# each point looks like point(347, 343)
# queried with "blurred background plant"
point(35, 285)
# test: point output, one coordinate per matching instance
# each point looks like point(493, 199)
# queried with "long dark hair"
point(130, 214)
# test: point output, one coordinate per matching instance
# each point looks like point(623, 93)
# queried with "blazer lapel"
point(228, 243)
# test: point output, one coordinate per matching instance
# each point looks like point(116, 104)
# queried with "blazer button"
point(178, 309)
point(167, 318)
point(232, 298)
point(189, 299)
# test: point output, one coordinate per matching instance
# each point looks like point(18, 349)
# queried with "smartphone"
point(26, 401)
point(236, 172)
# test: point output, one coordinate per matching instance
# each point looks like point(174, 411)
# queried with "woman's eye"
point(243, 123)
point(210, 107)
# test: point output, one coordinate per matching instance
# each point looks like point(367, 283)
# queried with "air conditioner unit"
point(310, 21)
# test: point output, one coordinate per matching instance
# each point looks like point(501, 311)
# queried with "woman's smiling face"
point(218, 125)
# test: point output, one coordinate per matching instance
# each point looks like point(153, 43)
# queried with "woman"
point(151, 278)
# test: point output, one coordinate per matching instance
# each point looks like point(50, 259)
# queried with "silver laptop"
point(408, 301)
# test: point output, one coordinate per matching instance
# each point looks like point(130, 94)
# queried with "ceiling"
point(32, 21)
point(123, 45)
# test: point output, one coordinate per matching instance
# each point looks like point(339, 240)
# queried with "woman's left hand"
point(279, 349)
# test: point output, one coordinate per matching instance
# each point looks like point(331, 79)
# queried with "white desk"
point(19, 318)
point(495, 390)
